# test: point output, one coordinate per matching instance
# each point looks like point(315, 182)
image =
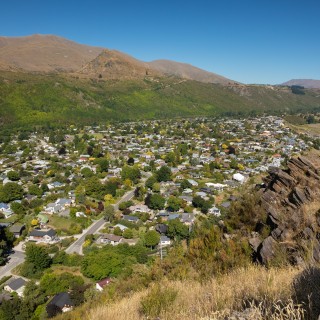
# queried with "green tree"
point(151, 238)
point(156, 187)
point(150, 182)
point(127, 234)
point(11, 191)
point(109, 213)
point(38, 256)
point(177, 230)
point(174, 203)
point(17, 208)
point(103, 263)
point(117, 231)
point(52, 284)
point(13, 175)
point(103, 164)
point(156, 202)
point(185, 184)
point(87, 172)
point(164, 174)
point(6, 242)
point(35, 190)
point(130, 172)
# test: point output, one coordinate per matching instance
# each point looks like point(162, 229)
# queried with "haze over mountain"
point(49, 53)
point(307, 83)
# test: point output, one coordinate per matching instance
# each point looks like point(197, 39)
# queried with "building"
point(16, 285)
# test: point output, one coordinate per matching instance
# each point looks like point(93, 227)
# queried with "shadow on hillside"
point(306, 288)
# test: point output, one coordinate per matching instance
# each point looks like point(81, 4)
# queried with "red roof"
point(104, 282)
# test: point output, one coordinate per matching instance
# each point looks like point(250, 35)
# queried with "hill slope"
point(28, 99)
point(187, 71)
point(44, 53)
point(307, 83)
point(112, 64)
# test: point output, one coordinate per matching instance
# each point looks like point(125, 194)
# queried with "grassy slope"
point(37, 99)
point(216, 298)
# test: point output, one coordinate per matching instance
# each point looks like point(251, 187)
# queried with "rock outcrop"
point(291, 200)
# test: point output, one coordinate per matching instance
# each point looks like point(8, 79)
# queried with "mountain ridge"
point(307, 83)
point(188, 71)
point(51, 53)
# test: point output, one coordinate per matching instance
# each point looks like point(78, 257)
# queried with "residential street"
point(76, 247)
point(15, 259)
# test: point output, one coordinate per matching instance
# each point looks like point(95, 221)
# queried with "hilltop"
point(44, 53)
point(112, 64)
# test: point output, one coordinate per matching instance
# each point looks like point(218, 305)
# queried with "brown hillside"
point(187, 71)
point(44, 53)
point(112, 64)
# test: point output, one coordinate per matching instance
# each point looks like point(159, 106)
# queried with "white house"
point(164, 241)
point(238, 177)
point(45, 236)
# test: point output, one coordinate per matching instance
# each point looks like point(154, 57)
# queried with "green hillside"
point(30, 99)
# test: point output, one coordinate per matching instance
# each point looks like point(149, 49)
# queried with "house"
point(164, 241)
point(109, 239)
point(61, 302)
point(102, 283)
point(46, 236)
point(186, 199)
point(52, 208)
point(187, 218)
point(5, 209)
point(215, 211)
point(121, 226)
point(193, 182)
point(16, 285)
point(17, 229)
point(161, 228)
point(64, 202)
point(238, 177)
point(132, 219)
point(43, 220)
point(139, 208)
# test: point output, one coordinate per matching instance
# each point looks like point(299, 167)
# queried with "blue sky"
point(251, 41)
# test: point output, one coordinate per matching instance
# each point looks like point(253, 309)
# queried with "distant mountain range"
point(49, 53)
point(306, 83)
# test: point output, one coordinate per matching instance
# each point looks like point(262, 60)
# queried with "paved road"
point(76, 247)
point(15, 259)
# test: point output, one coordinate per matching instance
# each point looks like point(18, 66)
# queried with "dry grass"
point(254, 289)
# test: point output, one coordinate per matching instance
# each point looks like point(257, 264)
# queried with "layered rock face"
point(291, 200)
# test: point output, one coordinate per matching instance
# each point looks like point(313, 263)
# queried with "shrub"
point(157, 301)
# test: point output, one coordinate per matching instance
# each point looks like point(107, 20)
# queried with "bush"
point(157, 301)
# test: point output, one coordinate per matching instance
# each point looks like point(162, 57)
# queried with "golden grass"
point(254, 288)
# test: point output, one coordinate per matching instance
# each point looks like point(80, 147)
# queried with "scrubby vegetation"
point(33, 99)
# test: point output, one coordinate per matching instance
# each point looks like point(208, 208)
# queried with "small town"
point(100, 200)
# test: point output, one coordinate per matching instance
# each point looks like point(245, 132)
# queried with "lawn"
point(62, 225)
